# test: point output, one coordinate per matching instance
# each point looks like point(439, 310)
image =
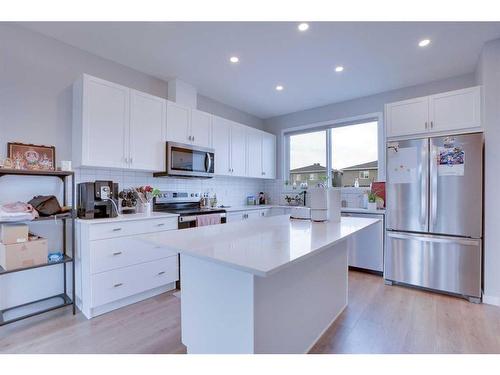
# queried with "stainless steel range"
point(187, 206)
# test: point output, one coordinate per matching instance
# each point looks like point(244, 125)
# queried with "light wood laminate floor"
point(379, 319)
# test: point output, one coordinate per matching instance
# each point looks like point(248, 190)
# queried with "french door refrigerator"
point(434, 214)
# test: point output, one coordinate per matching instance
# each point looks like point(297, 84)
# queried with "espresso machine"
point(98, 199)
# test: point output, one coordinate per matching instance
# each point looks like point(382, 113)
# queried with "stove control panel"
point(177, 196)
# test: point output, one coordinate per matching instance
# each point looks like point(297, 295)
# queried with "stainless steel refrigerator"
point(434, 214)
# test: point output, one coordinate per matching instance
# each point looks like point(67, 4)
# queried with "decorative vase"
point(148, 208)
point(372, 205)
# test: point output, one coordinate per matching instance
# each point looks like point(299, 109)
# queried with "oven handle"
point(186, 219)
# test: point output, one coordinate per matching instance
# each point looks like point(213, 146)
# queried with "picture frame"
point(32, 157)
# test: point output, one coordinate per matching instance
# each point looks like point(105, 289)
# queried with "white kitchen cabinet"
point(188, 126)
point(221, 142)
point(178, 119)
point(117, 127)
point(100, 123)
point(117, 264)
point(254, 153)
point(452, 111)
point(238, 150)
point(407, 117)
point(201, 128)
point(268, 155)
point(261, 154)
point(248, 214)
point(147, 127)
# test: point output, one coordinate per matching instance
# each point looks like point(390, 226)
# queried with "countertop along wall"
point(36, 78)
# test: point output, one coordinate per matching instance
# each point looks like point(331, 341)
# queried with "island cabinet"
point(454, 111)
point(188, 126)
point(280, 283)
point(116, 267)
point(116, 127)
point(248, 214)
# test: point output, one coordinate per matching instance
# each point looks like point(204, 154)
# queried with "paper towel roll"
point(318, 198)
point(334, 204)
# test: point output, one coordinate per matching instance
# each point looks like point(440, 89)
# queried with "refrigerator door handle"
point(423, 186)
point(434, 186)
point(430, 238)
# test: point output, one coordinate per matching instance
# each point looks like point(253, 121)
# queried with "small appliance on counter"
point(97, 200)
point(302, 213)
point(128, 201)
point(318, 202)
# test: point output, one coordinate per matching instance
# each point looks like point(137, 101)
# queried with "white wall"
point(360, 106)
point(488, 75)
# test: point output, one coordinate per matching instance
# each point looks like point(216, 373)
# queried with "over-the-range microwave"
point(184, 160)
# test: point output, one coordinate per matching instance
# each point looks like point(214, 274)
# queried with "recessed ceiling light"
point(303, 26)
point(279, 88)
point(339, 68)
point(234, 59)
point(424, 42)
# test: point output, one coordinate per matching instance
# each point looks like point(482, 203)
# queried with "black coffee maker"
point(97, 200)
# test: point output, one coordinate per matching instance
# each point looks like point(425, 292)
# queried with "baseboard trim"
point(491, 300)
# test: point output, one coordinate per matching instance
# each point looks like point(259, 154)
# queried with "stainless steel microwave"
point(188, 161)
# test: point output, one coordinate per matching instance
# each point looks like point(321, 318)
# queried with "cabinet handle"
point(160, 225)
point(189, 137)
point(161, 273)
point(117, 229)
point(432, 124)
point(117, 253)
point(426, 124)
point(193, 137)
point(117, 285)
point(131, 160)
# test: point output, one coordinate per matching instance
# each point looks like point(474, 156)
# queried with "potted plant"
point(372, 200)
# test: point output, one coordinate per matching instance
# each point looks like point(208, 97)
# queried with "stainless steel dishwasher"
point(366, 250)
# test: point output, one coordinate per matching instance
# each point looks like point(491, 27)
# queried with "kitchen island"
point(270, 285)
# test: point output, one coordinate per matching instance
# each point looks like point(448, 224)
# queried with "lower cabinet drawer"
point(113, 253)
point(128, 228)
point(124, 282)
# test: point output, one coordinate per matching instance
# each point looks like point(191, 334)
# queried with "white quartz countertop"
point(260, 246)
point(129, 217)
point(362, 210)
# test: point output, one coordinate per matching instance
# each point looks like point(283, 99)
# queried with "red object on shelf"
point(379, 189)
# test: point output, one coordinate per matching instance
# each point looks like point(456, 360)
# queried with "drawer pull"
point(117, 253)
point(161, 273)
point(118, 285)
point(160, 225)
point(117, 229)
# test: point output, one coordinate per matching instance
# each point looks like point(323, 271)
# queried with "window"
point(364, 174)
point(307, 158)
point(340, 154)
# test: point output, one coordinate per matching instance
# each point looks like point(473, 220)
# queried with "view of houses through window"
point(353, 153)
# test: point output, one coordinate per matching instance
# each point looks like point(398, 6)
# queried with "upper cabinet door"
point(407, 117)
point(104, 124)
point(269, 155)
point(178, 119)
point(201, 128)
point(254, 153)
point(455, 110)
point(147, 131)
point(221, 133)
point(238, 149)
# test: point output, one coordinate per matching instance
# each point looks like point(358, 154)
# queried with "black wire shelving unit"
point(68, 257)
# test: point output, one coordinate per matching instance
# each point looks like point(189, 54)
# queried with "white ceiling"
point(378, 56)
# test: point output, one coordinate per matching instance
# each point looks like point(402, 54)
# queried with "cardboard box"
point(13, 233)
point(22, 255)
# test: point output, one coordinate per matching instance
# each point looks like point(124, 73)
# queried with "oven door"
point(187, 160)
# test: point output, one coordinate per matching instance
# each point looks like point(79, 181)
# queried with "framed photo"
point(32, 157)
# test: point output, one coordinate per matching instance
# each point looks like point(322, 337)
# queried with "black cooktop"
point(190, 211)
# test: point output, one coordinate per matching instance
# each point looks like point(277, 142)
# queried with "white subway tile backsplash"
point(230, 191)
